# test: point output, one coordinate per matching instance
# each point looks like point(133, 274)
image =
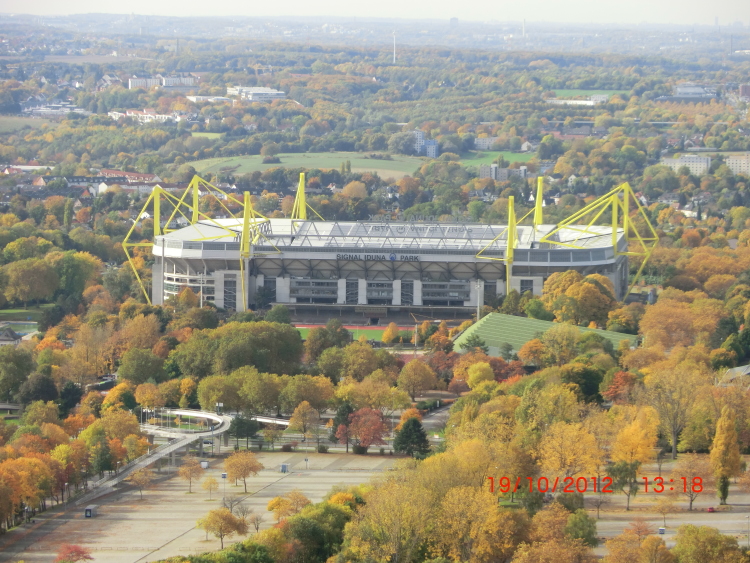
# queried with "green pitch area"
point(398, 167)
point(477, 158)
point(11, 123)
point(496, 329)
point(576, 93)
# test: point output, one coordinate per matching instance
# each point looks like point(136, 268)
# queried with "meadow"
point(398, 167)
point(13, 123)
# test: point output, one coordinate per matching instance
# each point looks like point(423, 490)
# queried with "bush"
point(271, 160)
point(382, 451)
point(322, 449)
point(287, 448)
point(359, 450)
point(427, 405)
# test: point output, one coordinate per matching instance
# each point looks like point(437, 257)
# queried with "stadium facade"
point(387, 264)
point(378, 266)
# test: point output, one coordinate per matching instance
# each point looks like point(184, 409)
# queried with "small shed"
point(90, 511)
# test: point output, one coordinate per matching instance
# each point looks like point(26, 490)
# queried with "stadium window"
point(527, 285)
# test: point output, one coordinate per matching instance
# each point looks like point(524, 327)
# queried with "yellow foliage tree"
point(569, 449)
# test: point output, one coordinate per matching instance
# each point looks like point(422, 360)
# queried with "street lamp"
point(65, 487)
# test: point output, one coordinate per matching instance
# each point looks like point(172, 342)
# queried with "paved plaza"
point(163, 524)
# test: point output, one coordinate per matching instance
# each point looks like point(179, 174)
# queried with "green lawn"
point(496, 329)
point(398, 167)
point(576, 93)
point(206, 135)
point(370, 333)
point(476, 158)
point(32, 313)
point(12, 123)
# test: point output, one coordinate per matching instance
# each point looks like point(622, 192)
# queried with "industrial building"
point(401, 265)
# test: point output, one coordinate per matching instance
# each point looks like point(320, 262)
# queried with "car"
point(711, 509)
point(208, 442)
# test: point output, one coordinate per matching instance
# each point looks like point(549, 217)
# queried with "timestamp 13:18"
point(661, 485)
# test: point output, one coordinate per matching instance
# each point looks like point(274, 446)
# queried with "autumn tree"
point(223, 524)
point(190, 471)
point(672, 393)
point(569, 449)
point(390, 335)
point(141, 479)
point(692, 476)
point(479, 373)
point(634, 443)
point(664, 505)
point(304, 419)
point(73, 554)
point(725, 452)
point(240, 465)
point(211, 485)
point(366, 428)
point(416, 377)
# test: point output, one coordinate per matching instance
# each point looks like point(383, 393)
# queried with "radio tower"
point(394, 46)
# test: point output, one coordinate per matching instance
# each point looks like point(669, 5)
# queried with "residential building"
point(418, 141)
point(212, 99)
point(136, 82)
point(148, 115)
point(501, 174)
point(744, 90)
point(739, 163)
point(129, 176)
point(698, 165)
point(431, 149)
point(485, 143)
point(255, 94)
point(8, 337)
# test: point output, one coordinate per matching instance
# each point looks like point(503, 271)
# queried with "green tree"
point(699, 544)
point(625, 478)
point(279, 314)
point(15, 366)
point(139, 365)
point(29, 280)
point(582, 527)
point(474, 342)
point(412, 438)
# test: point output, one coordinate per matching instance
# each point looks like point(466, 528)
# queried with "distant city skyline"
point(684, 12)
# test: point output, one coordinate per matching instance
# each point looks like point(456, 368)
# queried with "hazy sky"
point(572, 11)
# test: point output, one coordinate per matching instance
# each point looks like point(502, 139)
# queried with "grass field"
point(496, 329)
point(476, 158)
point(398, 167)
point(32, 313)
point(575, 93)
point(370, 333)
point(206, 135)
point(12, 123)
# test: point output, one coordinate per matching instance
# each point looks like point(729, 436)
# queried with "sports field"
point(371, 333)
point(575, 93)
point(12, 123)
point(398, 167)
point(30, 314)
point(475, 158)
point(206, 135)
point(496, 329)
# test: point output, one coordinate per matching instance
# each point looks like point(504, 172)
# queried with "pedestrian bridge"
point(217, 426)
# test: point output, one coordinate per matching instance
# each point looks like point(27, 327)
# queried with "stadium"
point(381, 267)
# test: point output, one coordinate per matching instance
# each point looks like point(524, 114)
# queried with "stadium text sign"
point(379, 257)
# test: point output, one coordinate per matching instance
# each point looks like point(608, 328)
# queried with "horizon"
point(582, 12)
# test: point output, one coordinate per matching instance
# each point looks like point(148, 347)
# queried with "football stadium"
point(382, 266)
